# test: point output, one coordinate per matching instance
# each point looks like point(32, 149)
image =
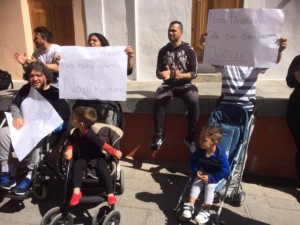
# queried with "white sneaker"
point(188, 210)
point(202, 217)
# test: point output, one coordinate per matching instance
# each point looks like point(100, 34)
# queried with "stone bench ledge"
point(272, 96)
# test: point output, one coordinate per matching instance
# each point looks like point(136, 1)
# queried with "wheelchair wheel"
point(120, 184)
point(48, 217)
point(114, 217)
point(40, 190)
point(99, 218)
point(60, 219)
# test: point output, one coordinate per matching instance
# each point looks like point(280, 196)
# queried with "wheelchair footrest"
point(17, 197)
point(92, 199)
point(90, 181)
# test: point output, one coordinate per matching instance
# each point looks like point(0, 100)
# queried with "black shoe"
point(298, 185)
point(157, 142)
point(191, 144)
point(23, 187)
point(7, 182)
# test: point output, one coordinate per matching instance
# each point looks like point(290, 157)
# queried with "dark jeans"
point(102, 172)
point(189, 94)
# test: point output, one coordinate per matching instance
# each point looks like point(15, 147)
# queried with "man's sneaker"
point(7, 182)
point(202, 217)
point(191, 145)
point(23, 187)
point(157, 142)
point(188, 210)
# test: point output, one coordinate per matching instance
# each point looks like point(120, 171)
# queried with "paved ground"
point(151, 191)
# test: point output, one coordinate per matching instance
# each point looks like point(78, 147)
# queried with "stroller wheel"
point(238, 198)
point(61, 219)
point(40, 190)
point(114, 217)
point(241, 198)
point(120, 184)
point(48, 217)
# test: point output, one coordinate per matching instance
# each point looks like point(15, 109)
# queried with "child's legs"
point(78, 167)
point(195, 190)
point(209, 195)
point(103, 174)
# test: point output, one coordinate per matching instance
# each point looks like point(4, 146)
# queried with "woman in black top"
point(109, 112)
point(293, 109)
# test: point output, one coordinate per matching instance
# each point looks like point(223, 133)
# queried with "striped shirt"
point(239, 85)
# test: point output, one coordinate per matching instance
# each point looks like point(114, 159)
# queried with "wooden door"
point(200, 9)
point(57, 16)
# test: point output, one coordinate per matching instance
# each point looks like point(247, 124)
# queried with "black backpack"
point(5, 80)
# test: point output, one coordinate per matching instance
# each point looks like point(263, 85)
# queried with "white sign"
point(40, 120)
point(243, 37)
point(93, 73)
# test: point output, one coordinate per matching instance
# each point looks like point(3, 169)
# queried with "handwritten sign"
point(40, 120)
point(93, 73)
point(243, 37)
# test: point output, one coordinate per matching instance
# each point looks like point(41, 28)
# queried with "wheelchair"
point(93, 191)
point(47, 167)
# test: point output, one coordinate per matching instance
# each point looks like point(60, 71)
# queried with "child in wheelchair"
point(209, 165)
point(85, 147)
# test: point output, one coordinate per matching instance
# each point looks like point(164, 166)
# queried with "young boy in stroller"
point(209, 165)
point(85, 147)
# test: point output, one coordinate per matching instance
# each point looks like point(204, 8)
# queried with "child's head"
point(83, 117)
point(210, 136)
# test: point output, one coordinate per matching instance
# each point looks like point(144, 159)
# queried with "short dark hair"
point(102, 39)
point(177, 22)
point(45, 33)
point(86, 115)
point(39, 67)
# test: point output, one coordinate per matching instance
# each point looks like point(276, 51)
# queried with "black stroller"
point(236, 126)
point(93, 192)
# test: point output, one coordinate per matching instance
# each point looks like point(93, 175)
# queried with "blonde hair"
point(212, 132)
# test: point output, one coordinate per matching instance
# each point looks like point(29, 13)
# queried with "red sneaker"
point(75, 199)
point(111, 200)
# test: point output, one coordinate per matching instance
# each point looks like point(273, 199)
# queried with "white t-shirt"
point(47, 56)
point(239, 84)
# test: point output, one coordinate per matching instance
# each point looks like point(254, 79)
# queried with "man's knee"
point(5, 140)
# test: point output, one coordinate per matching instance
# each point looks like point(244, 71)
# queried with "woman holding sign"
point(109, 112)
